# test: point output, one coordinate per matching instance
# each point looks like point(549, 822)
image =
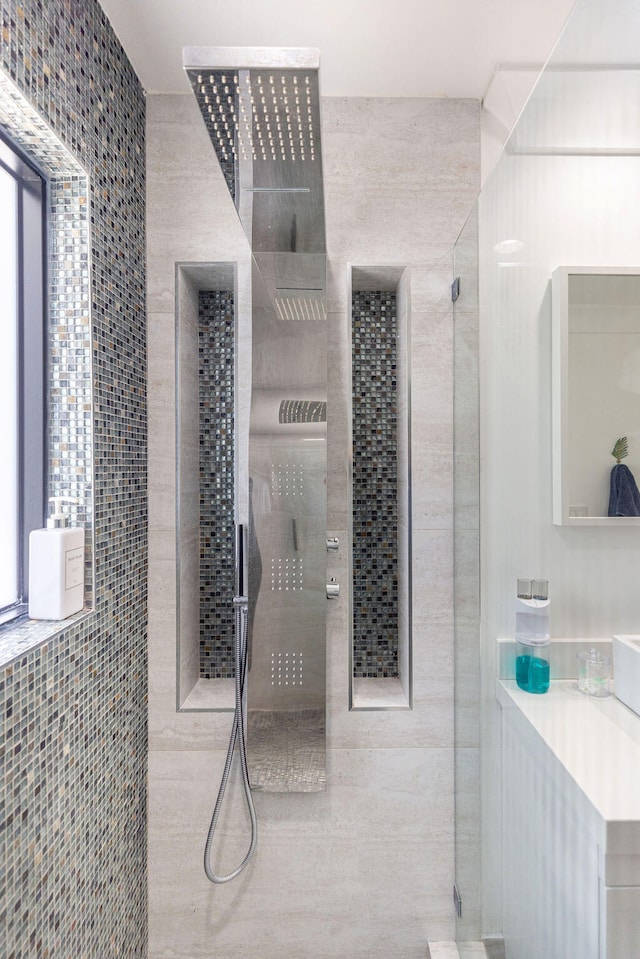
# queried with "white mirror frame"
point(560, 400)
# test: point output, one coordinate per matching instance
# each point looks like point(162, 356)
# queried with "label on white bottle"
point(74, 567)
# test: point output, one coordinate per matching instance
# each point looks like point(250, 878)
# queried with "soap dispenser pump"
point(56, 566)
point(533, 639)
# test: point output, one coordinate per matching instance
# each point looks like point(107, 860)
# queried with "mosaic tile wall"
point(375, 485)
point(216, 347)
point(69, 420)
point(73, 710)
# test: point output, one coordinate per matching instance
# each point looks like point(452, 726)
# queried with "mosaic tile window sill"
point(21, 637)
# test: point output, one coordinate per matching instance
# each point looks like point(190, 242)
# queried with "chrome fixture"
point(333, 589)
point(261, 108)
point(237, 740)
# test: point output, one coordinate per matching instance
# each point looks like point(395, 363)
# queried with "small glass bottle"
point(593, 673)
point(533, 640)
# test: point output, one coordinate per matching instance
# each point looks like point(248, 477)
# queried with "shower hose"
point(237, 740)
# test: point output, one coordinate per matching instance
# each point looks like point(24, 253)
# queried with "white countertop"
point(596, 742)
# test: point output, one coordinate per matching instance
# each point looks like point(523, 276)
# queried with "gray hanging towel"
point(624, 498)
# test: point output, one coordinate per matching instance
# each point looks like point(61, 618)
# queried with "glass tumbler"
point(594, 670)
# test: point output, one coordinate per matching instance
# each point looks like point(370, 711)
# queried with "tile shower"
point(366, 867)
point(74, 708)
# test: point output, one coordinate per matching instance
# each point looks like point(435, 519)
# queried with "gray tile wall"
point(73, 711)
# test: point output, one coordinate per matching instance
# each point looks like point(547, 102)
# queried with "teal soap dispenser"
point(533, 639)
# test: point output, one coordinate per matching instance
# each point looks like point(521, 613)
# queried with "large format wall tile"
point(327, 865)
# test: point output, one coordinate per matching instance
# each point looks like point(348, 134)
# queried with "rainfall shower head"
point(258, 115)
point(261, 108)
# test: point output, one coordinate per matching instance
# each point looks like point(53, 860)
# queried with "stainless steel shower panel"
point(287, 574)
point(295, 283)
point(286, 684)
point(287, 462)
point(261, 108)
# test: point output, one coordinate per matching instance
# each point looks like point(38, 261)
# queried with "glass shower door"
point(467, 580)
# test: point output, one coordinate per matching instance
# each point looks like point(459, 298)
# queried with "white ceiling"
point(376, 48)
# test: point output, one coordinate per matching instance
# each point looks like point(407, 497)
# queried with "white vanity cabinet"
point(571, 825)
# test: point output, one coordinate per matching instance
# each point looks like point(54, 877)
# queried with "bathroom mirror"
point(596, 391)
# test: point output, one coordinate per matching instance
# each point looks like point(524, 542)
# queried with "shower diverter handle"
point(333, 589)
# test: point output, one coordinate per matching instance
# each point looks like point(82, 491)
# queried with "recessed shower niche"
point(212, 393)
point(380, 489)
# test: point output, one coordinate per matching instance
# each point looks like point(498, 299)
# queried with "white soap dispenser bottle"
point(56, 566)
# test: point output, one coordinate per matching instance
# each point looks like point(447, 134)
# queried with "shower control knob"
point(333, 589)
point(333, 542)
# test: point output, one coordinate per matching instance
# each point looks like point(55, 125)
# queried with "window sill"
point(23, 635)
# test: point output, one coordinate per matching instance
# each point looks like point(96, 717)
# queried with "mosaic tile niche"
point(375, 485)
point(216, 352)
point(73, 709)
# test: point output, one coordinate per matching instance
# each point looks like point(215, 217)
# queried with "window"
point(22, 370)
